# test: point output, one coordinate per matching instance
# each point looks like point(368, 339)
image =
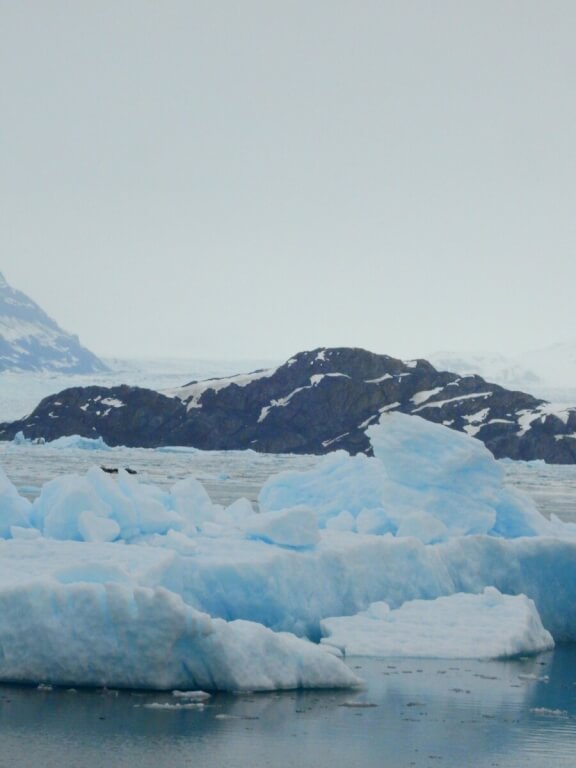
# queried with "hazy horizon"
point(245, 181)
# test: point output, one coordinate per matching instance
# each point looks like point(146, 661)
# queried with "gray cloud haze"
point(250, 178)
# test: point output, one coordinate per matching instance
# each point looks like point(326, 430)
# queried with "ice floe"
point(106, 580)
point(489, 625)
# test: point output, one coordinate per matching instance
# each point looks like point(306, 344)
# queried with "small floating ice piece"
point(545, 712)
point(191, 695)
point(166, 706)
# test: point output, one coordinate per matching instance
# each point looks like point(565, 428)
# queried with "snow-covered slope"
point(30, 340)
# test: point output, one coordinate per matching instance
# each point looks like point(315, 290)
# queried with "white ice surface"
point(490, 625)
point(111, 634)
point(424, 480)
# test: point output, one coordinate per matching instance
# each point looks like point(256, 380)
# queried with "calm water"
point(419, 713)
point(450, 714)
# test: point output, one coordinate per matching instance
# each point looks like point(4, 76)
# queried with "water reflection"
point(410, 713)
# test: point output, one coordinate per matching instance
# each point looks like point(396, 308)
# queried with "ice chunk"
point(14, 510)
point(342, 522)
point(239, 511)
point(167, 707)
point(70, 507)
point(339, 483)
point(83, 443)
point(95, 528)
point(423, 526)
point(489, 625)
point(151, 504)
point(17, 532)
point(57, 511)
point(296, 527)
point(420, 454)
point(424, 480)
point(174, 540)
point(114, 635)
point(192, 695)
point(192, 503)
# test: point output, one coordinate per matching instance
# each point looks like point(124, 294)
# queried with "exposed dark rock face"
point(31, 341)
point(316, 402)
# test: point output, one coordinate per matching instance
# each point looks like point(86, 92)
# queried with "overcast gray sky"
point(250, 178)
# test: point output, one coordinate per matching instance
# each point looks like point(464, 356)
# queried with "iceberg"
point(107, 580)
point(119, 508)
point(490, 625)
point(109, 634)
point(65, 442)
point(424, 481)
point(81, 443)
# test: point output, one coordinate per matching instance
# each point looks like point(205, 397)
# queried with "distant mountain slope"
point(316, 402)
point(507, 371)
point(21, 394)
point(548, 372)
point(31, 341)
point(556, 366)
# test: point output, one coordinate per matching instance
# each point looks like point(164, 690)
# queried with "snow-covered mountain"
point(30, 340)
point(316, 402)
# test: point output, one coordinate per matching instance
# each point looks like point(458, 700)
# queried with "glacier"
point(106, 580)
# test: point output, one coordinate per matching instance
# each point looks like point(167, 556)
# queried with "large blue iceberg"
point(105, 580)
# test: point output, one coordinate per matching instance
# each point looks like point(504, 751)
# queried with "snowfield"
point(420, 550)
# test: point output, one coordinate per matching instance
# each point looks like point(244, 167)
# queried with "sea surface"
point(422, 712)
point(447, 714)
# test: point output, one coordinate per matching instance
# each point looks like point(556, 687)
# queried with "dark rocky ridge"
point(317, 402)
point(30, 340)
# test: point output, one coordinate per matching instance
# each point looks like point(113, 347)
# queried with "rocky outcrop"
point(31, 341)
point(316, 402)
